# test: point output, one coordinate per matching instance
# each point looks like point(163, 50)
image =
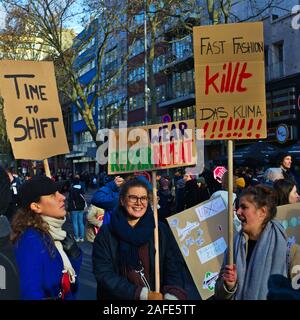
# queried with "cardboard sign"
point(201, 234)
point(31, 107)
point(159, 146)
point(230, 81)
point(289, 216)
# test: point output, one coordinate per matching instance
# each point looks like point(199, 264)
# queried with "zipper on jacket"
point(142, 275)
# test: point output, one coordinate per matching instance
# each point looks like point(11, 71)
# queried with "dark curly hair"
point(130, 184)
point(262, 196)
point(283, 188)
point(26, 218)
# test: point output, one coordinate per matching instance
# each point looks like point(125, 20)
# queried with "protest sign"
point(201, 234)
point(289, 216)
point(31, 107)
point(159, 146)
point(230, 81)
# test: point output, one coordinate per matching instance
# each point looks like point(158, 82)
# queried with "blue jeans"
point(78, 224)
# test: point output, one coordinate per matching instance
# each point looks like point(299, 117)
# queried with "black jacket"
point(112, 285)
point(9, 274)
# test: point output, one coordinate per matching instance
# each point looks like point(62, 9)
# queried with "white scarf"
point(58, 234)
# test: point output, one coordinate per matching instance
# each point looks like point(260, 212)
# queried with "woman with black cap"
point(9, 275)
point(48, 258)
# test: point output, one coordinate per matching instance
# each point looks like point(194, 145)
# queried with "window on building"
point(182, 83)
point(182, 48)
point(87, 46)
point(113, 114)
point(137, 47)
point(161, 93)
point(137, 101)
point(87, 67)
point(85, 137)
point(184, 113)
point(158, 63)
point(277, 65)
point(136, 74)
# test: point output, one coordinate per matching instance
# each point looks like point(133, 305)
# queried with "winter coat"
point(9, 273)
point(165, 203)
point(40, 274)
point(106, 197)
point(113, 285)
point(76, 201)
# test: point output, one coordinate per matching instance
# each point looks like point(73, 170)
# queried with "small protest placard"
point(201, 234)
point(289, 216)
point(31, 107)
point(230, 81)
point(147, 148)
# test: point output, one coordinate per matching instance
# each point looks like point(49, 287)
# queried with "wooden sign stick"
point(230, 201)
point(156, 242)
point(46, 167)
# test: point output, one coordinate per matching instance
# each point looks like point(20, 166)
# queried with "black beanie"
point(33, 189)
point(5, 191)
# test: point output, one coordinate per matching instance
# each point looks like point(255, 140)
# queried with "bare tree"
point(48, 19)
point(162, 17)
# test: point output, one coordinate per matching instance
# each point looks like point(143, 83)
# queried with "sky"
point(2, 17)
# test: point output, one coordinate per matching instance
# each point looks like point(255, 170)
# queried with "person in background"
point(260, 249)
point(15, 184)
point(285, 162)
point(271, 175)
point(165, 201)
point(287, 192)
point(94, 219)
point(240, 185)
point(107, 197)
point(123, 252)
point(76, 205)
point(191, 194)
point(48, 258)
point(10, 284)
point(203, 189)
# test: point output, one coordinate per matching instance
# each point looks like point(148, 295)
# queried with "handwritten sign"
point(230, 81)
point(159, 146)
point(201, 234)
point(31, 108)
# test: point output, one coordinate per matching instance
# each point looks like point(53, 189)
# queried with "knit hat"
point(240, 182)
point(33, 189)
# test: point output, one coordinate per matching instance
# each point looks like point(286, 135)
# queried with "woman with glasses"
point(123, 252)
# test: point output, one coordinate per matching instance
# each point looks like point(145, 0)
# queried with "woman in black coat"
point(123, 252)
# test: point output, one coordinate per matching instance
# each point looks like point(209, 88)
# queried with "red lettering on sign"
point(228, 83)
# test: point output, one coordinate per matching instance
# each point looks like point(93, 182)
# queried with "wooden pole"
point(34, 168)
point(156, 243)
point(230, 201)
point(47, 169)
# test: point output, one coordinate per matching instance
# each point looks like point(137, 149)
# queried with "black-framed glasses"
point(134, 199)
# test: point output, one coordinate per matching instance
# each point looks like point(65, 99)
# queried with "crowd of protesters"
point(45, 259)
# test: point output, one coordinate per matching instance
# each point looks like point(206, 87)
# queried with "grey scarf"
point(268, 257)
